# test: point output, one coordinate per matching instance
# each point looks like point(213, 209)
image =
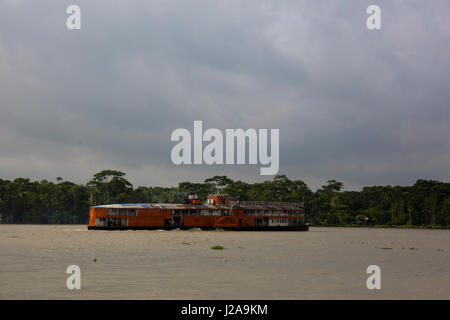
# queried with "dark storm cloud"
point(365, 107)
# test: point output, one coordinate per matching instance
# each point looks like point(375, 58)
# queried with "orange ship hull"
point(217, 213)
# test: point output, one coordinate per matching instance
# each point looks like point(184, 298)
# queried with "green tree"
point(109, 186)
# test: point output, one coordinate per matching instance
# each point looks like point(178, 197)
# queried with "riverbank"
point(383, 226)
point(324, 226)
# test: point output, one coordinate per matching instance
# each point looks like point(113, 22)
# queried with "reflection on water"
point(324, 263)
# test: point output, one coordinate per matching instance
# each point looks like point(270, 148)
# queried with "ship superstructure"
point(217, 212)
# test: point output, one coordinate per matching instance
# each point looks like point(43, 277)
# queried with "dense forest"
point(426, 203)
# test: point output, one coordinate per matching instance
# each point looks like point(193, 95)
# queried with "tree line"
point(426, 203)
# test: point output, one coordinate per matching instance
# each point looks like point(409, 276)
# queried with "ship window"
point(112, 212)
point(176, 212)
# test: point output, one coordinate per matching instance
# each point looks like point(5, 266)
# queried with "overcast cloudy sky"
point(364, 107)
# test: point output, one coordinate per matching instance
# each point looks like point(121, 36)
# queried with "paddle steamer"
point(217, 212)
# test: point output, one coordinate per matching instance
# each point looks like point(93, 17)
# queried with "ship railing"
point(271, 203)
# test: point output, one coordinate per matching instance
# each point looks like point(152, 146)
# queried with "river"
point(323, 263)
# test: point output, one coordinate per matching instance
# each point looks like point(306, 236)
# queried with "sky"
point(365, 107)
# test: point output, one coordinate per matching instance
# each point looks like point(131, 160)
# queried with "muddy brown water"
point(323, 263)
